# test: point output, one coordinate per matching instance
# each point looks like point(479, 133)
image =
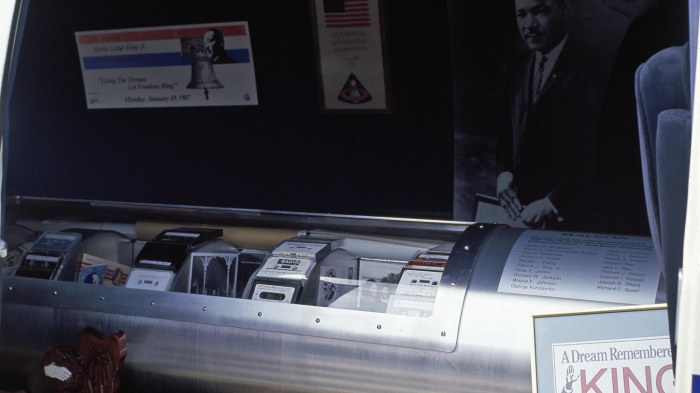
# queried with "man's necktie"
point(537, 86)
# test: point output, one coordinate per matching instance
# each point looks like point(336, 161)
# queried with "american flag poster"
point(350, 55)
point(346, 13)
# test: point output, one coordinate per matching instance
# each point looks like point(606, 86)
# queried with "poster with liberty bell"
point(168, 66)
point(203, 76)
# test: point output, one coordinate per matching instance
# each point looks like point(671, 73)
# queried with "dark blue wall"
point(242, 157)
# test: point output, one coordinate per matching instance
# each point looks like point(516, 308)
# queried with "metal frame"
point(131, 212)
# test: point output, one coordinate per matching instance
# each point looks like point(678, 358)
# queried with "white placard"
point(287, 292)
point(631, 365)
point(299, 249)
point(351, 61)
point(168, 66)
point(154, 280)
point(286, 268)
point(609, 268)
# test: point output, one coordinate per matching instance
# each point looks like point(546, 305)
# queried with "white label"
point(419, 283)
point(154, 280)
point(273, 293)
point(181, 234)
point(428, 306)
point(159, 263)
point(609, 268)
point(42, 258)
point(298, 249)
point(286, 268)
point(442, 257)
point(60, 237)
point(633, 365)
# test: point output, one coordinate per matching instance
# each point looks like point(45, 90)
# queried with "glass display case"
point(322, 302)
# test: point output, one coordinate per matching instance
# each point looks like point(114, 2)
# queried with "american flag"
point(346, 13)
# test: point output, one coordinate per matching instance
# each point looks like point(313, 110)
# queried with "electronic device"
point(45, 257)
point(283, 275)
point(161, 259)
point(418, 285)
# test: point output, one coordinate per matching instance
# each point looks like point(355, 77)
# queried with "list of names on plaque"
point(610, 268)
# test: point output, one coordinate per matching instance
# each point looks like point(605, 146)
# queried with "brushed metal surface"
point(355, 325)
point(175, 346)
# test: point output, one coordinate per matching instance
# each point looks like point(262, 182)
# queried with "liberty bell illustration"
point(203, 76)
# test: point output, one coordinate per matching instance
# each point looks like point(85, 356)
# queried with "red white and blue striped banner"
point(134, 68)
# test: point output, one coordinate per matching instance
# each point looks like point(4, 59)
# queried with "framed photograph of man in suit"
point(541, 122)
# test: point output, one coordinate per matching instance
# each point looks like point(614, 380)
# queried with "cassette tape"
point(154, 280)
point(275, 292)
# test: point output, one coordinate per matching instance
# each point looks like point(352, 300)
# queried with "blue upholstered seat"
point(663, 90)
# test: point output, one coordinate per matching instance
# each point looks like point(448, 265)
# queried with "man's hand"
point(508, 195)
point(538, 211)
point(54, 371)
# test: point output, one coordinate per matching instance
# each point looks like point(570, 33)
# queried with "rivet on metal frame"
point(379, 327)
point(453, 284)
point(152, 303)
point(443, 334)
point(55, 293)
point(318, 320)
point(260, 314)
point(204, 308)
point(102, 298)
point(10, 288)
point(466, 248)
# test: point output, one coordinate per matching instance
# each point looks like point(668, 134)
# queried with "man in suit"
point(546, 150)
point(214, 47)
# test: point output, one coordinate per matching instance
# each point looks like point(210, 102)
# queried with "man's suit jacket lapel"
point(520, 99)
point(521, 83)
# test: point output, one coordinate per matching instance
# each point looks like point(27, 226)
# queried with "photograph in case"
point(214, 274)
point(378, 280)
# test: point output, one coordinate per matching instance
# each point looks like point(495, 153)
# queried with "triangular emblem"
point(353, 92)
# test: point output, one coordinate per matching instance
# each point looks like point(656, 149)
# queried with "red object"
point(95, 368)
